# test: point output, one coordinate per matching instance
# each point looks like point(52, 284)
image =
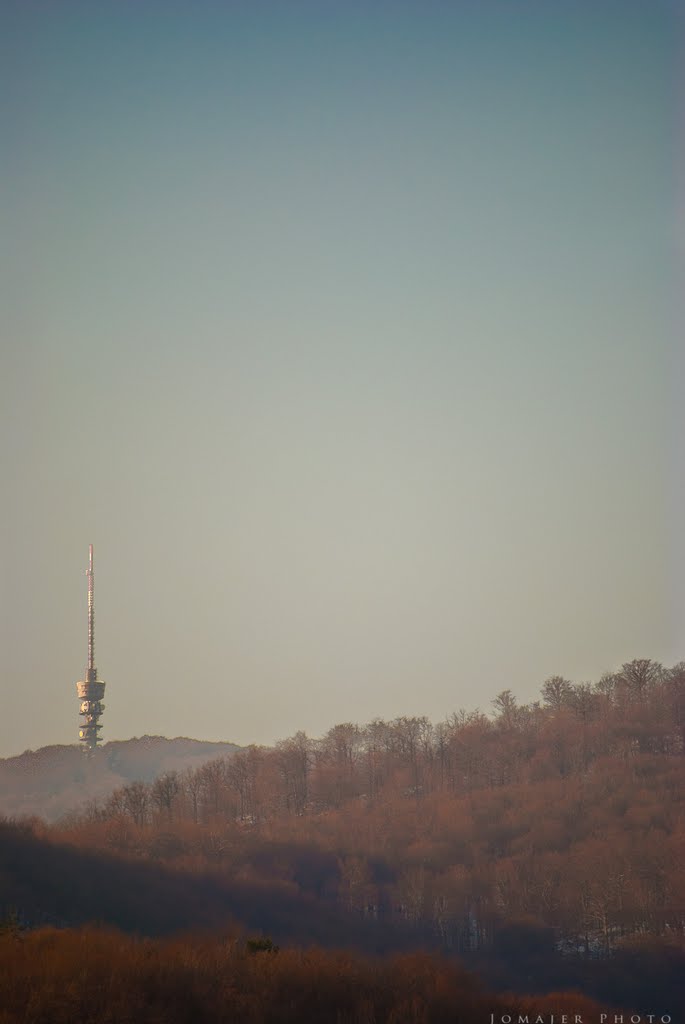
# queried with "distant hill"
point(54, 780)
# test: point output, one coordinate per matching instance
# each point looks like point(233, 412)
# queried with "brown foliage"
point(103, 977)
point(565, 820)
point(555, 813)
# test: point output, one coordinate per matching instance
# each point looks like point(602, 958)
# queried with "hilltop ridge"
point(56, 779)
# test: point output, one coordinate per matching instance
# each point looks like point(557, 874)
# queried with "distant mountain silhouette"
point(54, 780)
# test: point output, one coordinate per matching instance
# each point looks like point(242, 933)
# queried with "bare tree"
point(505, 707)
point(637, 678)
point(213, 775)
point(294, 764)
point(556, 692)
point(584, 700)
point(192, 783)
point(241, 774)
point(165, 789)
point(373, 740)
point(136, 800)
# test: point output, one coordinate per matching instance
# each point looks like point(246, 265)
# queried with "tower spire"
point(91, 611)
point(91, 690)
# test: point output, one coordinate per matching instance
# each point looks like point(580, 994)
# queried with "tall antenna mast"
point(91, 690)
point(91, 611)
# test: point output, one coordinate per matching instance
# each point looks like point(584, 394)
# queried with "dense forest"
point(542, 846)
point(96, 976)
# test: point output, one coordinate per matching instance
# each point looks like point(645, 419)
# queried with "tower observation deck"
point(91, 690)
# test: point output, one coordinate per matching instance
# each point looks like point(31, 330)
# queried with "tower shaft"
point(91, 690)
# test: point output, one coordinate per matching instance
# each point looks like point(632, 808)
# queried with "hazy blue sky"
point(348, 333)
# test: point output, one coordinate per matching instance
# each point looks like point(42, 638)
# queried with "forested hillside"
point(543, 844)
point(200, 981)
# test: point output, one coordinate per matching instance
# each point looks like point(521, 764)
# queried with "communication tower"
point(91, 690)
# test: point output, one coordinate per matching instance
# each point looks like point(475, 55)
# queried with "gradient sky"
point(348, 333)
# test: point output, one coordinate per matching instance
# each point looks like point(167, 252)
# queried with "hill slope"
point(53, 780)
